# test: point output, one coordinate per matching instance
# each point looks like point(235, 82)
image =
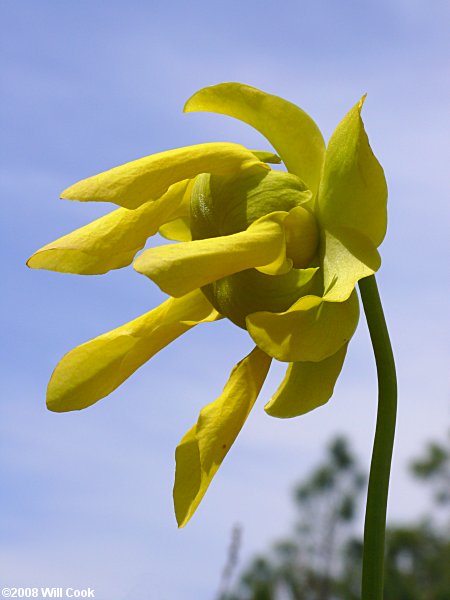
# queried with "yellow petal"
point(347, 257)
point(292, 132)
point(139, 181)
point(179, 268)
point(310, 330)
point(203, 448)
point(178, 230)
point(353, 191)
point(112, 241)
point(306, 386)
point(94, 369)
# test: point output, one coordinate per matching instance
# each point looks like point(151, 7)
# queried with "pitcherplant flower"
point(277, 253)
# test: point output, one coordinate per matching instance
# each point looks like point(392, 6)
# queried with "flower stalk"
point(377, 495)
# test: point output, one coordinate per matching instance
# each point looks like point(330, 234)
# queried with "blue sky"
point(86, 498)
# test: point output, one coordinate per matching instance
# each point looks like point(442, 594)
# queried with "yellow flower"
point(278, 253)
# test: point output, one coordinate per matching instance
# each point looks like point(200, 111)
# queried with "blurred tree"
point(417, 564)
point(434, 468)
point(320, 560)
point(304, 566)
point(418, 555)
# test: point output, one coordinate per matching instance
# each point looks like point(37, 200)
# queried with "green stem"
point(377, 495)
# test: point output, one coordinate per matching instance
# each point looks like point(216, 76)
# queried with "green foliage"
point(434, 467)
point(417, 564)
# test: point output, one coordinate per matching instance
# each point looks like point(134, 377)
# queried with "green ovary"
point(226, 205)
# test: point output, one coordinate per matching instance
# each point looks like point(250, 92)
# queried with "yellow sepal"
point(347, 257)
point(353, 190)
point(310, 330)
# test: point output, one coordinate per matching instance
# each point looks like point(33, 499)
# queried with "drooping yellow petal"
point(203, 448)
point(310, 330)
point(353, 190)
point(347, 257)
point(139, 181)
point(306, 386)
point(112, 241)
point(292, 132)
point(94, 369)
point(179, 268)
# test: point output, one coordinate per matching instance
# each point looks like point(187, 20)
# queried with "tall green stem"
point(377, 495)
